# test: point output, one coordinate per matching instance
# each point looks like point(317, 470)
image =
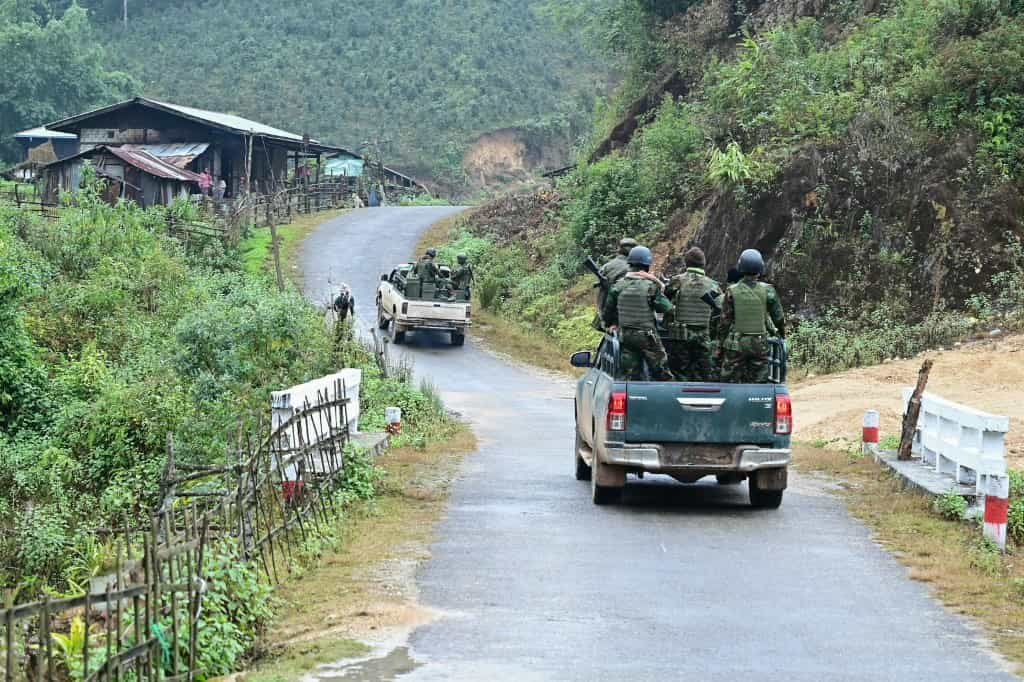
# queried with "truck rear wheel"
point(761, 497)
point(382, 322)
point(458, 339)
point(397, 337)
point(582, 468)
point(603, 493)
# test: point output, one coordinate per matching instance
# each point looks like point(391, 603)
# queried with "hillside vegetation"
point(873, 151)
point(428, 75)
point(115, 336)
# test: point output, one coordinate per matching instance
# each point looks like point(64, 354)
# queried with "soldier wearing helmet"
point(462, 276)
point(426, 269)
point(698, 308)
point(750, 309)
point(630, 309)
point(613, 271)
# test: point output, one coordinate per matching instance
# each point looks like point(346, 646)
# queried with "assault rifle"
point(602, 281)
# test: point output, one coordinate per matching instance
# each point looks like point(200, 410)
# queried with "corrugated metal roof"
point(227, 120)
point(177, 154)
point(148, 163)
point(43, 132)
point(235, 124)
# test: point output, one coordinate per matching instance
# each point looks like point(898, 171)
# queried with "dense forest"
point(874, 151)
point(428, 76)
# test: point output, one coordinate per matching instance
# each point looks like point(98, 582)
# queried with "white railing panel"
point(960, 441)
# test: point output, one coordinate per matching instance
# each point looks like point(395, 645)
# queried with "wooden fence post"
point(913, 412)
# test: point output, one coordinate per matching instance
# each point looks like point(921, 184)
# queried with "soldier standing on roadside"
point(698, 307)
point(613, 271)
point(462, 277)
point(630, 307)
point(750, 307)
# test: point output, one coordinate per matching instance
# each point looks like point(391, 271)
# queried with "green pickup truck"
point(685, 430)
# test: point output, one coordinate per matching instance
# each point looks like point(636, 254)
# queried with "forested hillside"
point(874, 151)
point(428, 75)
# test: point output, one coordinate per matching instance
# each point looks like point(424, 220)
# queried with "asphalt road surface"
point(677, 582)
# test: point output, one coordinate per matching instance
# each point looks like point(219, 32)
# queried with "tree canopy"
point(50, 67)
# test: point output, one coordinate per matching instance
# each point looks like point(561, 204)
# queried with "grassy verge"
point(364, 582)
point(439, 233)
point(967, 574)
point(518, 341)
point(257, 256)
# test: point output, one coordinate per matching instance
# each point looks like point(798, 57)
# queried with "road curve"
point(678, 582)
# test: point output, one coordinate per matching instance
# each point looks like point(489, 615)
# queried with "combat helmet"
point(640, 255)
point(462, 258)
point(751, 263)
point(432, 253)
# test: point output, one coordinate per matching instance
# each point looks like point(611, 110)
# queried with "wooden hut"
point(249, 156)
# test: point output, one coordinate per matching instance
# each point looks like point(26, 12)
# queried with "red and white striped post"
point(869, 440)
point(997, 504)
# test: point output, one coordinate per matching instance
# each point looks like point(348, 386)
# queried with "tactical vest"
point(615, 269)
point(635, 304)
point(691, 310)
point(750, 308)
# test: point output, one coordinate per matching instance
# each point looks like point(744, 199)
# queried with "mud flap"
point(772, 479)
point(607, 476)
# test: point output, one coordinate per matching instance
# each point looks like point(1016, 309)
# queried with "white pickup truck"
point(407, 304)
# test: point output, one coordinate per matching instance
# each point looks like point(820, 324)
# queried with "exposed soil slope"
point(986, 375)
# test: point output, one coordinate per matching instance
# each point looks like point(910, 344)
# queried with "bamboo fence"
point(141, 622)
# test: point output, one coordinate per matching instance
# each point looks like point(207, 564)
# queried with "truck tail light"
point(617, 411)
point(405, 308)
point(783, 415)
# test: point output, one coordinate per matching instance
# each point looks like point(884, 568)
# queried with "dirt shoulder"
point(364, 590)
point(986, 375)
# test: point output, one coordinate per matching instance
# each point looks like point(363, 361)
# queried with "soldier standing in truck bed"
point(630, 310)
point(698, 307)
point(426, 269)
point(612, 271)
point(750, 308)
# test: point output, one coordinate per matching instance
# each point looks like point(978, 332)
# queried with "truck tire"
point(761, 498)
point(582, 468)
point(600, 494)
point(458, 339)
point(382, 322)
point(397, 337)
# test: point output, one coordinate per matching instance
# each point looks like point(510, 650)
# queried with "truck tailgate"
point(700, 413)
point(436, 310)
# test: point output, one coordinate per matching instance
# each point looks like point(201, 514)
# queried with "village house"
point(155, 151)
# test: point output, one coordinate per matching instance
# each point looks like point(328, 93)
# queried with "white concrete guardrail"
point(293, 401)
point(968, 445)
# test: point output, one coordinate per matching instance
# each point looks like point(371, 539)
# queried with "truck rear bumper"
point(413, 324)
point(695, 458)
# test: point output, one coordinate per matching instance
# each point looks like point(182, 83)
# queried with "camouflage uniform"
point(462, 277)
point(425, 269)
point(613, 271)
point(749, 309)
point(631, 305)
point(689, 340)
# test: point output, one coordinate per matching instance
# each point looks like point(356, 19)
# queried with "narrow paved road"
point(679, 582)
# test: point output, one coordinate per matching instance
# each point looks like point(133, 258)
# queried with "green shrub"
point(985, 556)
point(951, 506)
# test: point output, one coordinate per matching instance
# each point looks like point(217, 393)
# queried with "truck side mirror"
point(383, 278)
point(583, 358)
